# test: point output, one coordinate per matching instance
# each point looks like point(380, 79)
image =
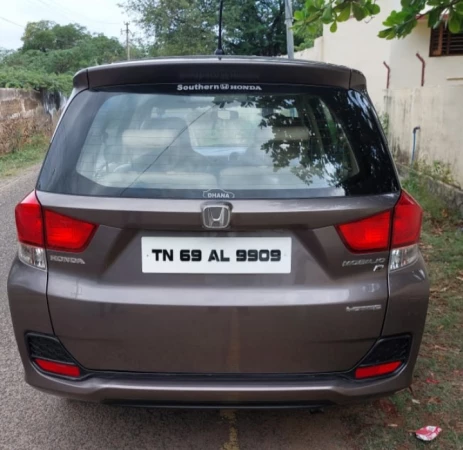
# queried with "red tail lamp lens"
point(408, 216)
point(367, 235)
point(372, 234)
point(68, 370)
point(29, 221)
point(50, 229)
point(377, 370)
point(67, 234)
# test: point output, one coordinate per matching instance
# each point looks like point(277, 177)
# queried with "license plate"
point(216, 255)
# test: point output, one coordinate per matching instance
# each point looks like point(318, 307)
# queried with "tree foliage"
point(52, 53)
point(189, 27)
point(397, 25)
point(33, 79)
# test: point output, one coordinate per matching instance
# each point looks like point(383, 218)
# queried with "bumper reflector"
point(377, 370)
point(68, 370)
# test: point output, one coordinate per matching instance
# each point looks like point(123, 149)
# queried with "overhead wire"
point(10, 21)
point(55, 3)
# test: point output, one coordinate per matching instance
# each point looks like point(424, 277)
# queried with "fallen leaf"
point(392, 425)
point(388, 407)
point(415, 401)
point(431, 381)
point(434, 401)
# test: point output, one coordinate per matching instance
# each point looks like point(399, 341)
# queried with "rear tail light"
point(408, 216)
point(42, 229)
point(29, 221)
point(398, 230)
point(57, 368)
point(368, 235)
point(386, 356)
point(29, 226)
point(67, 234)
point(377, 370)
point(401, 257)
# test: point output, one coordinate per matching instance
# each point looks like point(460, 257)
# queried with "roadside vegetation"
point(436, 396)
point(52, 53)
point(23, 142)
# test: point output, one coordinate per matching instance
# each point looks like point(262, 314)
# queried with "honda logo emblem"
point(216, 216)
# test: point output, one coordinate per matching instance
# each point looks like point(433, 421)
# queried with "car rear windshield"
point(218, 141)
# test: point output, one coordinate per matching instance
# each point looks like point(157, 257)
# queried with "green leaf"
point(359, 11)
point(459, 7)
point(434, 17)
point(327, 16)
point(345, 13)
point(387, 33)
point(375, 9)
point(299, 15)
point(455, 23)
point(334, 27)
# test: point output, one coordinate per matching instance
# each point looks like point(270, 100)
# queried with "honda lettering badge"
point(216, 216)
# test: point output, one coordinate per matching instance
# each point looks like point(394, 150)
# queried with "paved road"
point(32, 420)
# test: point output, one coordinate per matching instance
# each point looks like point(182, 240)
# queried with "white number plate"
point(216, 255)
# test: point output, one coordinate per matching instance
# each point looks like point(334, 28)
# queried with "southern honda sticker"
point(218, 87)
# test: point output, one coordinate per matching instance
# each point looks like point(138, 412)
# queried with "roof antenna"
point(219, 50)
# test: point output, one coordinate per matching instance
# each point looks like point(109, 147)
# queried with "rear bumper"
point(172, 392)
point(406, 313)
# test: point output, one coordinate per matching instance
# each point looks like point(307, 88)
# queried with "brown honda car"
point(219, 231)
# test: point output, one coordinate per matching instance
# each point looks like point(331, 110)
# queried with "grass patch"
point(436, 397)
point(30, 154)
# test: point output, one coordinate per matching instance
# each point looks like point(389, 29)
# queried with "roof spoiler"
point(220, 70)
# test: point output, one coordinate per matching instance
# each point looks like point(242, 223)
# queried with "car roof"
point(223, 69)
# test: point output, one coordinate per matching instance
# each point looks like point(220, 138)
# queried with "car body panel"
point(112, 316)
point(226, 69)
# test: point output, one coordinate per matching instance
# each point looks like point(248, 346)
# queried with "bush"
point(30, 79)
point(16, 133)
point(436, 207)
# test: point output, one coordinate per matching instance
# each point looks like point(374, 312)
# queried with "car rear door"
point(167, 284)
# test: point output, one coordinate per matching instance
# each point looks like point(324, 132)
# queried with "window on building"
point(444, 43)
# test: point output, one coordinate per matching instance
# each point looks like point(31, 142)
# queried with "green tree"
point(39, 36)
point(181, 27)
point(68, 36)
point(397, 25)
point(52, 53)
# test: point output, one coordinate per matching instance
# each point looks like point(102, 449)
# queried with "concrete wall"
point(438, 111)
point(16, 103)
point(23, 103)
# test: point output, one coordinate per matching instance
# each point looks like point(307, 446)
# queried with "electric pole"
point(127, 41)
point(289, 29)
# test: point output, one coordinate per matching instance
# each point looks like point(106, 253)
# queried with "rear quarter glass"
point(206, 141)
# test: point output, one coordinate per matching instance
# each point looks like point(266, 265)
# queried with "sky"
point(99, 16)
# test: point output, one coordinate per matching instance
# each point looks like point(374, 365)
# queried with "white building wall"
point(437, 110)
point(406, 67)
point(356, 44)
